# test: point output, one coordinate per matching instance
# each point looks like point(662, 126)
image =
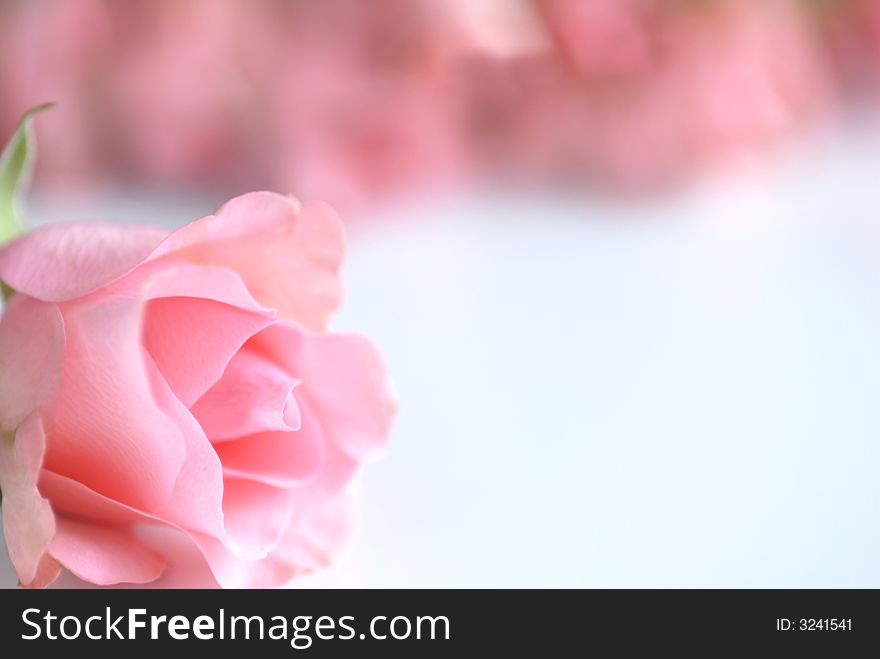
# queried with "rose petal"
point(266, 215)
point(288, 256)
point(47, 573)
point(303, 459)
point(186, 565)
point(228, 570)
point(336, 469)
point(229, 519)
point(28, 522)
point(197, 501)
point(343, 379)
point(114, 439)
point(310, 542)
point(74, 499)
point(104, 430)
point(253, 395)
point(84, 257)
point(281, 459)
point(104, 555)
point(32, 349)
point(192, 340)
point(174, 277)
point(243, 567)
point(315, 537)
point(255, 516)
point(348, 387)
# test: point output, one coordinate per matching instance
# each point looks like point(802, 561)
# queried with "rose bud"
point(184, 381)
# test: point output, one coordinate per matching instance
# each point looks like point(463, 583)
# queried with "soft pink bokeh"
point(357, 102)
point(186, 381)
point(636, 95)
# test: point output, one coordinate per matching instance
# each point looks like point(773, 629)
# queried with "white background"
point(675, 393)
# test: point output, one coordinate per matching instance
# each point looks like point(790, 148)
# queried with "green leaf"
point(15, 167)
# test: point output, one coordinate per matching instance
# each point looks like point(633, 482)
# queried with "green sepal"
point(16, 164)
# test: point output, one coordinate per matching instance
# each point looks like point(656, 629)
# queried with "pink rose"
point(182, 381)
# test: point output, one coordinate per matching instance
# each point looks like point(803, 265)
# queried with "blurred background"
point(362, 102)
point(621, 255)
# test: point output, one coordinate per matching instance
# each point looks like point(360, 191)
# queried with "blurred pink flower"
point(688, 87)
point(852, 30)
point(357, 101)
point(179, 95)
point(360, 106)
point(53, 52)
point(600, 38)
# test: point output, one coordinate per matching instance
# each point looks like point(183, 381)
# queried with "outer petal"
point(242, 519)
point(348, 387)
point(31, 355)
point(174, 277)
point(316, 536)
point(47, 573)
point(288, 256)
point(260, 215)
point(343, 380)
point(197, 502)
point(104, 555)
point(105, 430)
point(255, 516)
point(313, 537)
point(186, 567)
point(84, 257)
point(197, 319)
point(73, 499)
point(28, 521)
point(337, 467)
point(112, 435)
point(233, 523)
